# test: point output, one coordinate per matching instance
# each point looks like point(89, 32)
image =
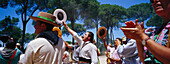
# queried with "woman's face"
point(161, 7)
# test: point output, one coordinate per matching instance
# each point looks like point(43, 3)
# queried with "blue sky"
point(30, 29)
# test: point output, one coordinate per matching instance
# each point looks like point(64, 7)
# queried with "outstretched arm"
point(68, 29)
point(74, 34)
point(105, 44)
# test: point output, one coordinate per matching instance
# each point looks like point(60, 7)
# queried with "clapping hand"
point(133, 30)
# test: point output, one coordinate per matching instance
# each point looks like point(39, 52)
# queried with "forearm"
point(140, 51)
point(69, 30)
point(112, 59)
point(67, 45)
point(160, 52)
point(105, 45)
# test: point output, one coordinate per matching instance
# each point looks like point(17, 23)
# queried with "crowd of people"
point(137, 47)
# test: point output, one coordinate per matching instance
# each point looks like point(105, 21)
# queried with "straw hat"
point(101, 32)
point(46, 17)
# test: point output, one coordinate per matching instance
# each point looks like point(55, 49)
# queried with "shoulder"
point(92, 46)
point(38, 42)
point(132, 41)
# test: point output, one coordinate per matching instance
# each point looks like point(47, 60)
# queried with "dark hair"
point(10, 44)
point(91, 35)
point(49, 26)
point(120, 40)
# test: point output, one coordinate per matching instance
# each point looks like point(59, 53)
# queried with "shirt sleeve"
point(28, 57)
point(108, 48)
point(127, 49)
point(93, 55)
point(77, 38)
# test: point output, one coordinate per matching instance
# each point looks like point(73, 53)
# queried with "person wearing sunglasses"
point(161, 36)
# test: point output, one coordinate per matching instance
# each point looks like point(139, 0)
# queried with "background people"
point(114, 57)
point(9, 54)
point(129, 52)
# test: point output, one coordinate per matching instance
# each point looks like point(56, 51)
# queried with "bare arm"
point(160, 52)
point(68, 29)
point(105, 45)
point(64, 57)
point(114, 59)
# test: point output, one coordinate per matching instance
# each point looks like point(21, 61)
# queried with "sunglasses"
point(152, 1)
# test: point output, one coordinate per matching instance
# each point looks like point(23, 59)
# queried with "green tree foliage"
point(111, 15)
point(155, 20)
point(29, 37)
point(92, 14)
point(7, 22)
point(12, 31)
point(8, 26)
point(4, 3)
point(78, 28)
point(140, 11)
point(89, 24)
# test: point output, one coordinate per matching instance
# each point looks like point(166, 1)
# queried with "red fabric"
point(10, 59)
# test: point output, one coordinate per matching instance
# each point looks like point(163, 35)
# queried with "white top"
point(66, 59)
point(40, 51)
point(111, 50)
point(89, 51)
point(130, 52)
point(113, 54)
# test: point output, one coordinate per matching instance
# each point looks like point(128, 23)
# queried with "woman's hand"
point(133, 30)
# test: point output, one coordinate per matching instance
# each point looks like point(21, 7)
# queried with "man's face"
point(85, 36)
point(37, 27)
point(161, 7)
point(117, 41)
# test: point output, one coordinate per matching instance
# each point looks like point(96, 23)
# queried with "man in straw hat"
point(47, 47)
point(87, 50)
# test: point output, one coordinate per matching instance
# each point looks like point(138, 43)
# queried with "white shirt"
point(111, 50)
point(89, 51)
point(40, 51)
point(66, 59)
point(130, 52)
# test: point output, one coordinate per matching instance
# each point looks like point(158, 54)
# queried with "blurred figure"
point(114, 57)
point(66, 56)
point(159, 46)
point(129, 51)
point(9, 55)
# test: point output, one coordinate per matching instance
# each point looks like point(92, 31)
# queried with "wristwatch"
point(144, 41)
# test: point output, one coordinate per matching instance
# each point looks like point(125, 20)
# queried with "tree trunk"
point(72, 25)
point(96, 21)
point(107, 34)
point(96, 32)
point(23, 36)
point(111, 34)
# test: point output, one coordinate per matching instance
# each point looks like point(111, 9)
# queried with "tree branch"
point(33, 12)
